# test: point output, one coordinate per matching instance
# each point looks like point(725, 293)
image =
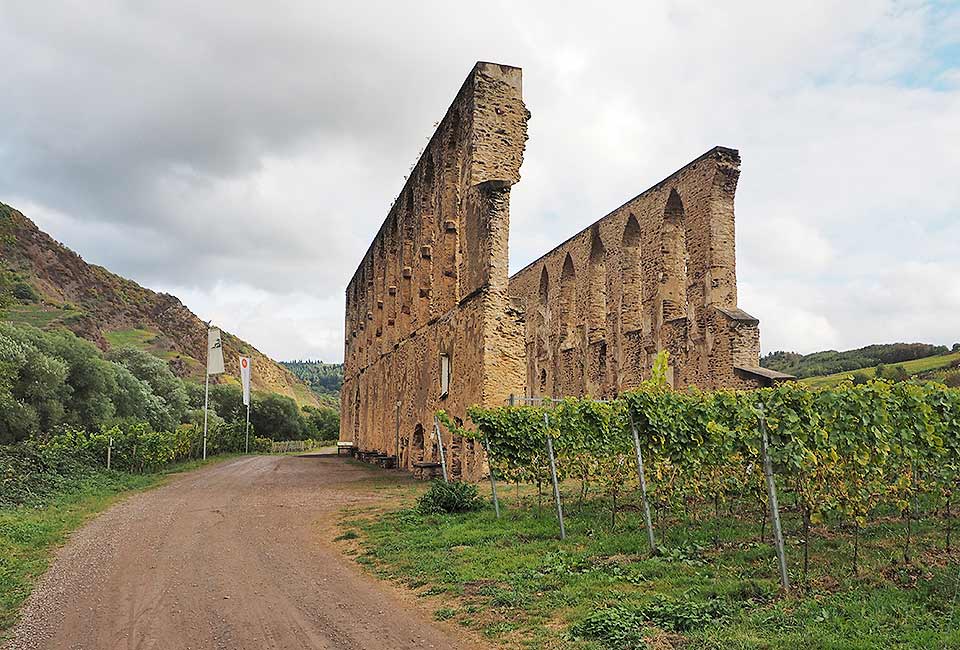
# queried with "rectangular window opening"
point(444, 375)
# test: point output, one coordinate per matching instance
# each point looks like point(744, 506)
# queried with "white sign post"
point(214, 367)
point(245, 363)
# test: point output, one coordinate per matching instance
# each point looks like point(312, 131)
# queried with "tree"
point(34, 389)
point(881, 372)
point(162, 381)
point(277, 416)
point(227, 401)
point(323, 422)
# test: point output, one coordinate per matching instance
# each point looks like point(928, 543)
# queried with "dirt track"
point(232, 556)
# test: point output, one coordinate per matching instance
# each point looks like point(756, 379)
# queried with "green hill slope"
point(48, 285)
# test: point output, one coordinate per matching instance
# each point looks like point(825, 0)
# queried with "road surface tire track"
point(223, 558)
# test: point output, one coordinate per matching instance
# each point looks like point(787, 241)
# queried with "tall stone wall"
point(657, 273)
point(434, 282)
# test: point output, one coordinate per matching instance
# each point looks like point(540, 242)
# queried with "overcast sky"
point(242, 157)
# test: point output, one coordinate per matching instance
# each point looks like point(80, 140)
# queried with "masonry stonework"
point(433, 292)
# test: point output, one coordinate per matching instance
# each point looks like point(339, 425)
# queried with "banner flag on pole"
point(214, 352)
point(245, 379)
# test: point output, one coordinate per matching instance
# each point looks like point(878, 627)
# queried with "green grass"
point(914, 367)
point(30, 534)
point(138, 338)
point(714, 585)
point(38, 315)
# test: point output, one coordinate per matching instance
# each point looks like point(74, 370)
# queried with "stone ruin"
point(434, 321)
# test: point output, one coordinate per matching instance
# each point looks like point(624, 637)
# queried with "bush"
point(617, 627)
point(30, 471)
point(447, 498)
point(24, 292)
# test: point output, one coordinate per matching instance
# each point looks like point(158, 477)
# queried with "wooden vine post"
point(774, 508)
point(643, 486)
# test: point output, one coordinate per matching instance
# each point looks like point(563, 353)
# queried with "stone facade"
point(434, 283)
point(432, 294)
point(657, 273)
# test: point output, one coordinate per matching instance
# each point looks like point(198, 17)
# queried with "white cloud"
point(245, 164)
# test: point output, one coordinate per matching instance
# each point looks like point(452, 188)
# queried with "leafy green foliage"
point(618, 627)
point(278, 417)
point(51, 379)
point(325, 379)
point(449, 498)
point(845, 452)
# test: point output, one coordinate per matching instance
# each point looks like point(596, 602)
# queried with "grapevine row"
point(842, 452)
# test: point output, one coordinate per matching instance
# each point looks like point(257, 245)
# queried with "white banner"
point(245, 378)
point(214, 352)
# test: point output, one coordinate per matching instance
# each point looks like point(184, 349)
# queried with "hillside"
point(944, 368)
point(51, 285)
point(325, 379)
point(831, 361)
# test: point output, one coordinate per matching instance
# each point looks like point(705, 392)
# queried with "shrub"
point(616, 627)
point(24, 292)
point(31, 471)
point(446, 498)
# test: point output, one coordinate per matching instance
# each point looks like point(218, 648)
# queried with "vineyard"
point(841, 457)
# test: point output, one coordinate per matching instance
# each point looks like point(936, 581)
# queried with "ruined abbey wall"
point(587, 318)
point(657, 273)
point(434, 283)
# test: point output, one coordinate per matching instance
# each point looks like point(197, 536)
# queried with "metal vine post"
point(774, 508)
point(643, 485)
point(553, 475)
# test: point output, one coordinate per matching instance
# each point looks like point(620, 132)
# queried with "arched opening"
point(568, 302)
point(544, 286)
point(673, 281)
point(597, 307)
point(632, 273)
point(541, 316)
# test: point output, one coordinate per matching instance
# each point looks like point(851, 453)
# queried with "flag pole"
point(206, 401)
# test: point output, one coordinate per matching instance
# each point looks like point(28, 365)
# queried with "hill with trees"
point(325, 379)
point(45, 284)
point(52, 380)
point(830, 362)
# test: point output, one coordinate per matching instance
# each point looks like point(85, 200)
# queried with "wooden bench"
point(345, 445)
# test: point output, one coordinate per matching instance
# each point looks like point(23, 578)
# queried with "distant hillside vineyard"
point(830, 361)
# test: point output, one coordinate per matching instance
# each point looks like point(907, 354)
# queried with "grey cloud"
point(251, 151)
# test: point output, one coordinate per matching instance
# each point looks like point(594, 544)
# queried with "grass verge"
point(713, 584)
point(31, 533)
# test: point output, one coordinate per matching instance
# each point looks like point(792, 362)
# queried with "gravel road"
point(232, 556)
